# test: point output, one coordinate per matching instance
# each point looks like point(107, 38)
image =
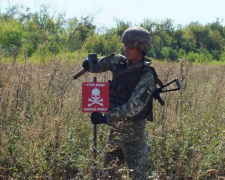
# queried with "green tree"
point(215, 43)
point(11, 35)
point(44, 28)
point(149, 25)
point(217, 26)
point(77, 32)
point(103, 44)
point(199, 33)
point(121, 26)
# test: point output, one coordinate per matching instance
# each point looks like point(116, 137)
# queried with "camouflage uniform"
point(127, 139)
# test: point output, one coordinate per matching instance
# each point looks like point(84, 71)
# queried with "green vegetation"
point(42, 34)
point(44, 134)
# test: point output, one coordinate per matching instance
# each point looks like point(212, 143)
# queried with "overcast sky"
point(106, 11)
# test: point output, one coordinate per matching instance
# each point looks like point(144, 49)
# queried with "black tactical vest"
point(123, 84)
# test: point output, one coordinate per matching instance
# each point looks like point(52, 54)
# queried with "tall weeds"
point(187, 136)
point(44, 134)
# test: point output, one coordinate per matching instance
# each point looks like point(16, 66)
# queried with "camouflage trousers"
point(127, 145)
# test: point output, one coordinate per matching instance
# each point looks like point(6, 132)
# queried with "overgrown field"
point(44, 134)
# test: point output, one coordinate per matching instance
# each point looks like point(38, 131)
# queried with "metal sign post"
point(95, 98)
point(94, 175)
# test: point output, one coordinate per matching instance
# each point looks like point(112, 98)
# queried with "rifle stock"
point(156, 93)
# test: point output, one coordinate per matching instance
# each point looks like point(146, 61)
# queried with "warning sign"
point(95, 97)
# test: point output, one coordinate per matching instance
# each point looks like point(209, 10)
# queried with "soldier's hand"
point(85, 64)
point(98, 118)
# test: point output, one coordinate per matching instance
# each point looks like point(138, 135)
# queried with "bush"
point(103, 44)
point(201, 57)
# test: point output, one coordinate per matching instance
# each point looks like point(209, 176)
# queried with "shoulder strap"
point(155, 75)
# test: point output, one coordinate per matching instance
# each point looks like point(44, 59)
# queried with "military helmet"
point(137, 37)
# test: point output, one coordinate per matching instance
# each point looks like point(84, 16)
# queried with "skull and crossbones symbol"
point(95, 98)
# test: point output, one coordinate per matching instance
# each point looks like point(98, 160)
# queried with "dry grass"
point(44, 134)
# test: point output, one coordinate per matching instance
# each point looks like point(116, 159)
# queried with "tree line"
point(43, 33)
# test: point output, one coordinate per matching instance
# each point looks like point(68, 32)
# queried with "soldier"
point(130, 103)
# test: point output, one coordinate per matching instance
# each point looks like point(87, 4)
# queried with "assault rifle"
point(156, 93)
point(94, 66)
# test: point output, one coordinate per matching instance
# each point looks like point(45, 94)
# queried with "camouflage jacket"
point(135, 104)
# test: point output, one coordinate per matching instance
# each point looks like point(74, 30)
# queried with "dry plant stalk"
point(44, 134)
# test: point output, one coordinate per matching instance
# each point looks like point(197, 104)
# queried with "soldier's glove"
point(85, 64)
point(98, 118)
